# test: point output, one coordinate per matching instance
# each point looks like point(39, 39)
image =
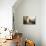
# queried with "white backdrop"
point(6, 13)
point(6, 16)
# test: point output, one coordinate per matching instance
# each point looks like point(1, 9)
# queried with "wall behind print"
point(28, 8)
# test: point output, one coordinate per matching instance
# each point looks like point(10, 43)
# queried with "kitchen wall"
point(28, 8)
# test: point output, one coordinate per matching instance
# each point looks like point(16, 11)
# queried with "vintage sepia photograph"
point(29, 19)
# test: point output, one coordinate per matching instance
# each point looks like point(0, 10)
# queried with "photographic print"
point(29, 19)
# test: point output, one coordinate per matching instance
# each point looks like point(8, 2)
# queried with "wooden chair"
point(18, 37)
